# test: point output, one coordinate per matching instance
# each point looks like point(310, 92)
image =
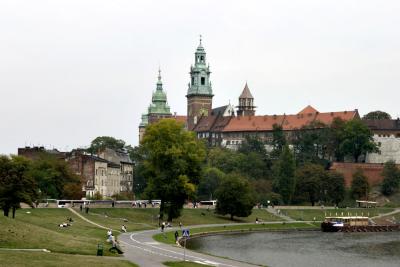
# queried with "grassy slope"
point(169, 238)
point(309, 214)
point(34, 259)
point(140, 219)
point(39, 229)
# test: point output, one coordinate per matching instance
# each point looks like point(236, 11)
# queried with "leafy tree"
point(16, 185)
point(55, 179)
point(235, 197)
point(335, 138)
point(102, 142)
point(263, 190)
point(278, 141)
point(284, 179)
point(308, 182)
point(391, 178)
point(377, 115)
point(357, 140)
point(333, 188)
point(209, 183)
point(224, 159)
point(359, 185)
point(310, 143)
point(252, 144)
point(172, 160)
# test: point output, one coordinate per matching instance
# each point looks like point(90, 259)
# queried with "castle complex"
point(228, 125)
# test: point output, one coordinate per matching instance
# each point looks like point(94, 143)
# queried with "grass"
point(319, 215)
point(39, 229)
point(142, 219)
point(169, 238)
point(184, 264)
point(43, 259)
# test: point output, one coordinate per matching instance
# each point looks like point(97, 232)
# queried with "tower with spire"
point(246, 103)
point(199, 94)
point(158, 109)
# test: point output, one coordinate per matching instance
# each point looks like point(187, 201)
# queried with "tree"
point(283, 172)
point(333, 188)
point(391, 178)
point(335, 138)
point(173, 159)
point(278, 141)
point(357, 140)
point(310, 143)
point(102, 142)
point(16, 185)
point(308, 182)
point(377, 115)
point(209, 183)
point(55, 179)
point(235, 197)
point(359, 185)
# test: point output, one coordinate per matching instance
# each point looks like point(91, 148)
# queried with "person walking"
point(162, 226)
point(176, 236)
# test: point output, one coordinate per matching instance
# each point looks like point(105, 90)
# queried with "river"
point(305, 249)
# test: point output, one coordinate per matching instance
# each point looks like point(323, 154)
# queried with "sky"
point(76, 69)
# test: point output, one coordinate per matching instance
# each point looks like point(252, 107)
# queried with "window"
point(192, 80)
point(203, 81)
point(201, 58)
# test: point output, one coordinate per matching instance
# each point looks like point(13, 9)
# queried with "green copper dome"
point(159, 100)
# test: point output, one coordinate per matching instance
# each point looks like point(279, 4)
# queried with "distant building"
point(121, 157)
point(387, 134)
point(36, 152)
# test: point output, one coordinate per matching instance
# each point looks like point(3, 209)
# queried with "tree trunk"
point(162, 206)
point(13, 212)
point(6, 210)
point(231, 217)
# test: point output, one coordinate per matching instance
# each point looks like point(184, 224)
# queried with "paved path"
point(387, 214)
point(274, 211)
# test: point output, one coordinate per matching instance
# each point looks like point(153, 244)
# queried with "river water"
point(305, 249)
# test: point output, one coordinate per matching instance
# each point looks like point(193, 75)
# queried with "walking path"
point(142, 249)
point(279, 214)
point(386, 214)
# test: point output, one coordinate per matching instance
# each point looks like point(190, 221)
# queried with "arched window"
point(203, 81)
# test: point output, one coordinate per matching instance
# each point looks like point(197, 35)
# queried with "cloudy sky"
point(76, 69)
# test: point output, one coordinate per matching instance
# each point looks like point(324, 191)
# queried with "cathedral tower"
point(199, 94)
point(158, 108)
point(246, 103)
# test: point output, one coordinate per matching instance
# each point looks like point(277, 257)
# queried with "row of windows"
point(389, 135)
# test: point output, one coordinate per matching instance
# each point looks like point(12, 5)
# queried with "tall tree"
point(335, 138)
point(377, 115)
point(283, 172)
point(357, 140)
point(172, 158)
point(308, 182)
point(391, 178)
point(209, 183)
point(102, 142)
point(333, 188)
point(16, 185)
point(235, 197)
point(278, 141)
point(359, 185)
point(55, 179)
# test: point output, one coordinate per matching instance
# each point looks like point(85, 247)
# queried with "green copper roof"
point(159, 100)
point(200, 83)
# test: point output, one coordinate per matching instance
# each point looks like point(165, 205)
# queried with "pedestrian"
point(112, 204)
point(80, 207)
point(256, 220)
point(123, 228)
point(109, 234)
point(176, 236)
point(87, 209)
point(162, 226)
point(180, 225)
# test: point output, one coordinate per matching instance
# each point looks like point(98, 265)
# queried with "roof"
point(216, 111)
point(246, 93)
point(180, 118)
point(213, 123)
point(307, 110)
point(288, 122)
point(383, 124)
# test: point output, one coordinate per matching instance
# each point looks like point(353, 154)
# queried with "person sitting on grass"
point(114, 245)
point(123, 228)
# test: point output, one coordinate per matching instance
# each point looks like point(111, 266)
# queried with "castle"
point(228, 125)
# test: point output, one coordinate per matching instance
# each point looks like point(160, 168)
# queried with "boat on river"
point(355, 224)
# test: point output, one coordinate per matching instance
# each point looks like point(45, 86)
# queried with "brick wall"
point(372, 171)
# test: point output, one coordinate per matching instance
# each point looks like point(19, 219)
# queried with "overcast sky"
point(74, 70)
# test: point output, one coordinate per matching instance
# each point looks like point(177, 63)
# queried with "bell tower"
point(199, 94)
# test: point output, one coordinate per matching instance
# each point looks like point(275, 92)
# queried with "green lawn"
point(43, 259)
point(319, 214)
point(168, 237)
point(184, 264)
point(39, 229)
point(142, 219)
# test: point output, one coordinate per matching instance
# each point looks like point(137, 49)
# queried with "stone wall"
point(373, 172)
point(390, 149)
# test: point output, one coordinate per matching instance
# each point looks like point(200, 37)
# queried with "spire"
point(200, 39)
point(246, 92)
point(159, 82)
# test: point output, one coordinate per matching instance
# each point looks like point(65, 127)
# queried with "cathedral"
point(227, 125)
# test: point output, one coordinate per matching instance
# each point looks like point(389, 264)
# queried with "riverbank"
point(168, 237)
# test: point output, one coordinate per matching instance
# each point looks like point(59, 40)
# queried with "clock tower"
point(199, 94)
